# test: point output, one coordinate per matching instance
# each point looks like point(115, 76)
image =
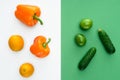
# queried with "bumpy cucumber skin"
point(106, 41)
point(87, 58)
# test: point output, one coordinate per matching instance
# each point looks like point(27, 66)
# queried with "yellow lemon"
point(26, 70)
point(16, 42)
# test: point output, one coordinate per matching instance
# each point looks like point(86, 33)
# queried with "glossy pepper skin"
point(28, 14)
point(40, 47)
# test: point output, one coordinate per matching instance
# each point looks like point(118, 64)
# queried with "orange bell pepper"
point(28, 14)
point(40, 47)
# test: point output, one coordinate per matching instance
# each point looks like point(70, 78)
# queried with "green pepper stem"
point(37, 18)
point(46, 43)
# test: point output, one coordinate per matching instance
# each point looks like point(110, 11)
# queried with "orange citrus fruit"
point(16, 42)
point(26, 70)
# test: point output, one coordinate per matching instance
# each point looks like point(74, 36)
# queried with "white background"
point(47, 68)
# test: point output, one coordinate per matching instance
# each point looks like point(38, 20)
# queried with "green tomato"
point(80, 39)
point(86, 24)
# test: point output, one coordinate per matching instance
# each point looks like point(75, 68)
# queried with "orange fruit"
point(16, 42)
point(26, 70)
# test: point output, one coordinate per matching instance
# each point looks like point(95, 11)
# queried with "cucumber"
point(106, 41)
point(87, 58)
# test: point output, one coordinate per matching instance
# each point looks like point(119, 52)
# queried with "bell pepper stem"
point(46, 43)
point(37, 18)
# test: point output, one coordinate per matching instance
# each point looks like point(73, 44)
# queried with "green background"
point(105, 14)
